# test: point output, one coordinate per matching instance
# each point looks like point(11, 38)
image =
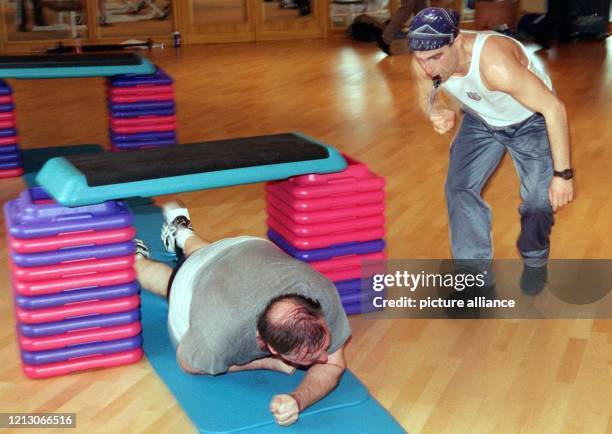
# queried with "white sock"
point(181, 236)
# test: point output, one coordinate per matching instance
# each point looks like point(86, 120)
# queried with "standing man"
point(509, 105)
point(398, 20)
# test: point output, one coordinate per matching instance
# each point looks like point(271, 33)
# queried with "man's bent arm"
point(504, 71)
point(267, 363)
point(320, 379)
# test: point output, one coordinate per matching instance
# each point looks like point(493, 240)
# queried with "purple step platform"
point(68, 353)
point(159, 77)
point(77, 296)
point(73, 254)
point(28, 219)
point(58, 327)
point(356, 248)
point(140, 106)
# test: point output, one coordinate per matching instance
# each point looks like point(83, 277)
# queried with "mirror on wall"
point(467, 10)
point(279, 10)
point(134, 18)
point(44, 19)
point(343, 12)
point(31, 20)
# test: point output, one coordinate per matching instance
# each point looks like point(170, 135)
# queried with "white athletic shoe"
point(176, 219)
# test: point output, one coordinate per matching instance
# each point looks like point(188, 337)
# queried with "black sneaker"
point(533, 279)
point(386, 48)
point(141, 249)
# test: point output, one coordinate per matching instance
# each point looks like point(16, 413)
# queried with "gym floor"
point(434, 376)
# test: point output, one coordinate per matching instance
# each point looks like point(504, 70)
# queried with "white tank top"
point(498, 109)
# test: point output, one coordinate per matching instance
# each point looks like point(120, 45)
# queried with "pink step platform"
point(124, 99)
point(141, 121)
point(351, 267)
point(83, 363)
point(333, 213)
point(140, 90)
point(62, 340)
point(62, 241)
point(277, 206)
point(74, 268)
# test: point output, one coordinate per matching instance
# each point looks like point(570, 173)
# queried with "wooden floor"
point(434, 376)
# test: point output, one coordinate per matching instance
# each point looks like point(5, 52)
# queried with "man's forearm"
point(318, 382)
point(268, 363)
point(558, 135)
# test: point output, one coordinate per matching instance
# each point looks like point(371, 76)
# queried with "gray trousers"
point(398, 19)
point(475, 154)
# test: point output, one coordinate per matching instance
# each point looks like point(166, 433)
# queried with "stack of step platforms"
point(10, 154)
point(336, 223)
point(142, 111)
point(77, 301)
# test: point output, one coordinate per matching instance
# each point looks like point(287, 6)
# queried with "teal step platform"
point(34, 159)
point(32, 66)
point(78, 180)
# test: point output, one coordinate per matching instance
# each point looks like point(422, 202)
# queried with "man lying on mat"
point(242, 304)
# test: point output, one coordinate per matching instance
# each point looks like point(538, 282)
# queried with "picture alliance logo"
point(412, 281)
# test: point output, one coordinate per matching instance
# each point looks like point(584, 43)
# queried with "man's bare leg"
point(193, 243)
point(153, 276)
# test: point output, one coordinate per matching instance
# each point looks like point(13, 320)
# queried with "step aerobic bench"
point(88, 179)
point(73, 65)
point(136, 89)
point(228, 403)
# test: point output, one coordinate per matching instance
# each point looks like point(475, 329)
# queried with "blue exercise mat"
point(368, 417)
point(238, 402)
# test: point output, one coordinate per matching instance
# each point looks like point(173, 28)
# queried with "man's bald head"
point(293, 324)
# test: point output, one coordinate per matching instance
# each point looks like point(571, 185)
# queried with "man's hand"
point(285, 409)
point(443, 120)
point(560, 192)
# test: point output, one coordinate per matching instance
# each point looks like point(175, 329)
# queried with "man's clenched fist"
point(285, 409)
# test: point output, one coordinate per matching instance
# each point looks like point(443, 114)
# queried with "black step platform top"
point(68, 60)
point(121, 167)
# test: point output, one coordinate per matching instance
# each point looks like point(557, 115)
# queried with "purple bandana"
point(433, 28)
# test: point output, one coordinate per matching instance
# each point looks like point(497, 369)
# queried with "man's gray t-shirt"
point(234, 288)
